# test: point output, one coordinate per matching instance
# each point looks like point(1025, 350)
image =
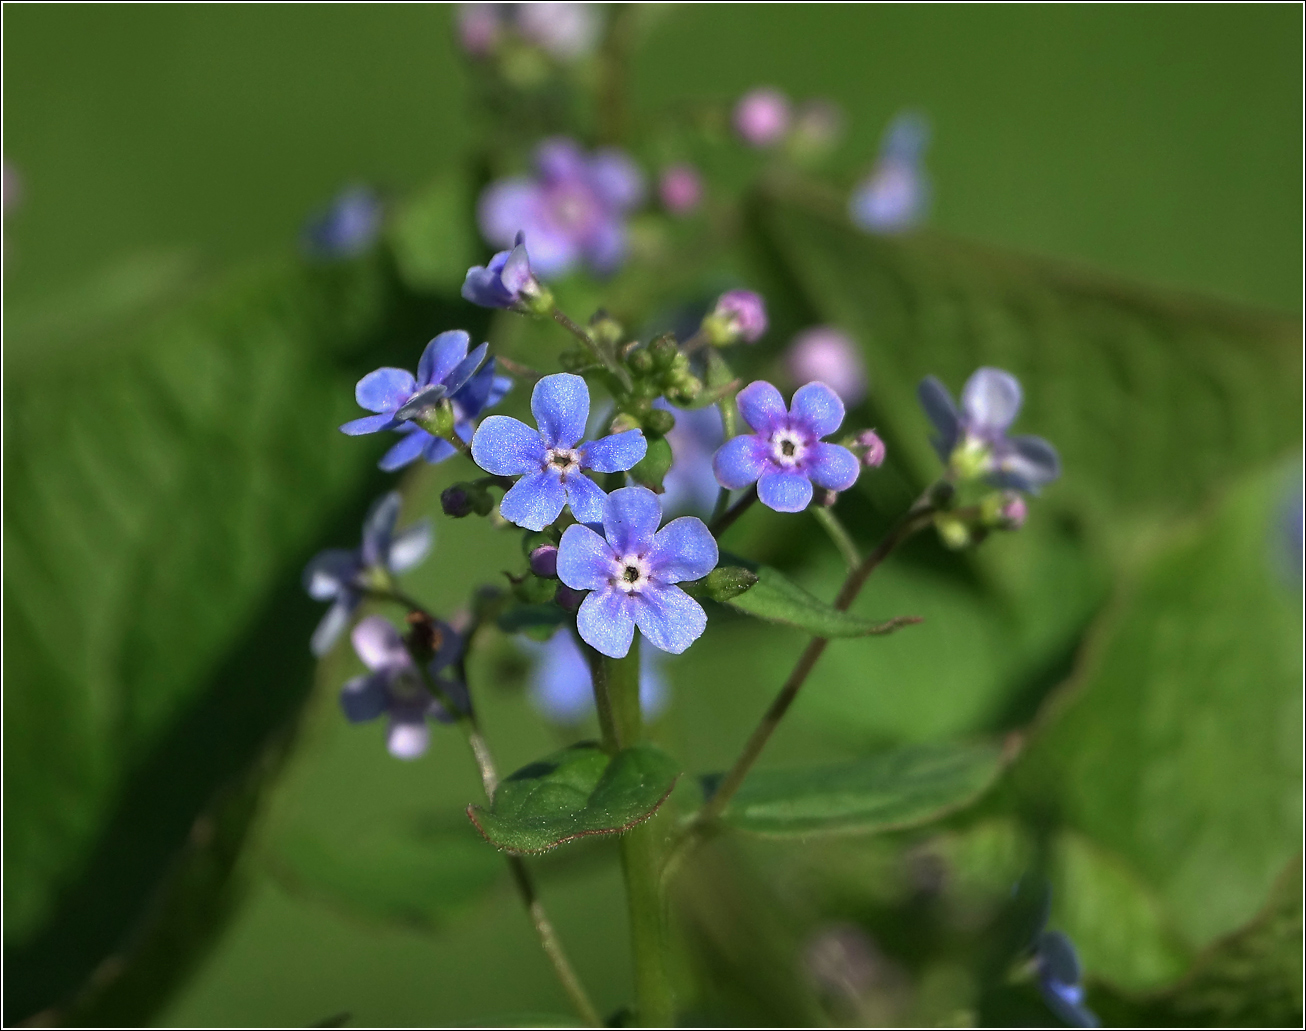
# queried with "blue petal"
point(379, 645)
point(761, 405)
point(606, 245)
point(818, 409)
point(991, 401)
point(585, 560)
point(438, 449)
point(535, 500)
point(1057, 958)
point(384, 389)
point(441, 356)
point(784, 492)
point(605, 623)
point(465, 370)
point(630, 519)
point(499, 388)
point(475, 393)
point(424, 398)
point(484, 286)
point(684, 549)
point(669, 618)
point(615, 453)
point(410, 546)
point(506, 446)
point(333, 623)
point(328, 572)
point(940, 410)
point(560, 683)
point(561, 404)
point(368, 424)
point(507, 206)
point(560, 159)
point(740, 461)
point(409, 449)
point(616, 178)
point(585, 497)
point(1026, 463)
point(364, 698)
point(378, 526)
point(832, 467)
point(516, 275)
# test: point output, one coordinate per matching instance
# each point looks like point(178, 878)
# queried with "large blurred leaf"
point(165, 483)
point(1179, 752)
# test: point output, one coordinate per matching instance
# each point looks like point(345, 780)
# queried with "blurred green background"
point(1162, 144)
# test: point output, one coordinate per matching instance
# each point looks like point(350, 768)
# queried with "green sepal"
point(650, 469)
point(722, 584)
point(534, 590)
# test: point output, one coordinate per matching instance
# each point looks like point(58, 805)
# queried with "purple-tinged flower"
point(396, 395)
point(479, 28)
point(974, 441)
point(551, 460)
point(826, 354)
point(632, 574)
point(738, 315)
point(784, 455)
point(874, 449)
point(1059, 976)
point(573, 210)
point(895, 195)
point(508, 282)
point(342, 576)
point(762, 117)
point(680, 189)
point(347, 228)
point(394, 687)
point(690, 487)
point(561, 686)
point(566, 31)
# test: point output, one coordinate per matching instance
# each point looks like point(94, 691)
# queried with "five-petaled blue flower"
point(785, 455)
point(341, 576)
point(974, 441)
point(393, 686)
point(551, 461)
point(506, 282)
point(632, 575)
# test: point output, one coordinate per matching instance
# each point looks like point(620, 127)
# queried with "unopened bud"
point(738, 315)
point(544, 561)
point(664, 350)
point(659, 421)
point(464, 499)
point(954, 532)
point(873, 456)
point(1014, 511)
point(640, 361)
point(625, 421)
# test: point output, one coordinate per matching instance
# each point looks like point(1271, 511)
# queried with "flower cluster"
point(564, 31)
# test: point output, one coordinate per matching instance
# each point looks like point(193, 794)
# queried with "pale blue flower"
point(347, 228)
point(562, 688)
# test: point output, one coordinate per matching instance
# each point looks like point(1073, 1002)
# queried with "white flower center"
point(630, 574)
point(563, 460)
point(787, 447)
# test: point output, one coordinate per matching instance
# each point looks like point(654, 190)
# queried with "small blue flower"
point(484, 390)
point(347, 228)
point(785, 455)
point(974, 441)
point(1059, 976)
point(550, 460)
point(895, 195)
point(561, 686)
point(631, 575)
point(340, 576)
point(506, 282)
point(393, 686)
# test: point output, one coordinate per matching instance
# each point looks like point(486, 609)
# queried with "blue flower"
point(347, 228)
point(393, 686)
point(690, 486)
point(974, 441)
point(561, 686)
point(484, 390)
point(507, 282)
point(894, 197)
point(1059, 976)
point(341, 576)
point(573, 211)
point(631, 575)
point(550, 460)
point(785, 454)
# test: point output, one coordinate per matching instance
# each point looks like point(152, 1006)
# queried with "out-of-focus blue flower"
point(393, 687)
point(484, 390)
point(561, 686)
point(974, 441)
point(828, 355)
point(506, 282)
point(895, 195)
point(784, 455)
point(631, 572)
point(341, 576)
point(347, 228)
point(762, 117)
point(690, 487)
point(551, 460)
point(574, 209)
point(1059, 975)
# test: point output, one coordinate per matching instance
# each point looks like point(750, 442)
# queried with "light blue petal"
point(942, 413)
point(1027, 463)
point(585, 497)
point(409, 449)
point(333, 624)
point(615, 453)
point(471, 400)
point(669, 618)
point(328, 572)
point(535, 500)
point(378, 526)
point(761, 406)
point(465, 370)
point(384, 389)
point(561, 404)
point(784, 492)
point(606, 245)
point(605, 623)
point(498, 390)
point(832, 467)
point(379, 645)
point(817, 408)
point(424, 398)
point(991, 401)
point(585, 560)
point(740, 461)
point(516, 274)
point(684, 549)
point(410, 546)
point(441, 356)
point(506, 446)
point(630, 519)
point(368, 424)
point(364, 698)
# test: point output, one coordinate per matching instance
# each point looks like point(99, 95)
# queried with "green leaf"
point(651, 469)
point(432, 236)
point(903, 788)
point(576, 793)
point(777, 599)
point(538, 621)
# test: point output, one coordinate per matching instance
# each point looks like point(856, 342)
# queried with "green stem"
point(839, 534)
point(726, 519)
point(601, 353)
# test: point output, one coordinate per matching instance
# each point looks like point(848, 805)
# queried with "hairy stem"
point(601, 353)
point(612, 739)
point(839, 534)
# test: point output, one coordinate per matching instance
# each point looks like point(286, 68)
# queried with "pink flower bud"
point(741, 315)
point(824, 353)
point(680, 188)
point(1014, 511)
point(478, 28)
point(873, 456)
point(762, 117)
